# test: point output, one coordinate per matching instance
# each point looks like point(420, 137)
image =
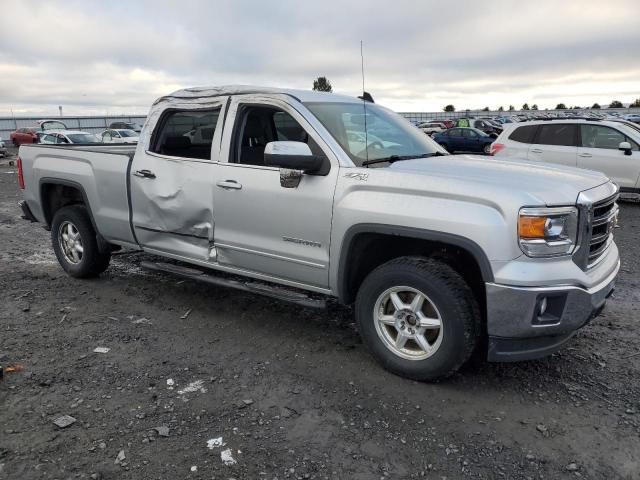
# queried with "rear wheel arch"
point(360, 241)
point(56, 193)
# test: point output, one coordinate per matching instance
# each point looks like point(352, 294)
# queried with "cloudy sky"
point(97, 57)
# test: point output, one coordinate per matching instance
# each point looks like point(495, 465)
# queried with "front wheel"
point(75, 244)
point(418, 317)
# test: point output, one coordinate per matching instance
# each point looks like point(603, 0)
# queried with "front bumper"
point(531, 322)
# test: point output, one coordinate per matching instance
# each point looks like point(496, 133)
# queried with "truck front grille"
point(603, 220)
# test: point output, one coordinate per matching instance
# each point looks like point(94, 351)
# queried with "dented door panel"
point(172, 197)
point(173, 211)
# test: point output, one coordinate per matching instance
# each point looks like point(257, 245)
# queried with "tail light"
point(496, 147)
point(20, 174)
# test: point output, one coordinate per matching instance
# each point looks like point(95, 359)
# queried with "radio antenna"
point(364, 105)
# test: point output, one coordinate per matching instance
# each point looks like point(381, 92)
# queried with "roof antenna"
point(364, 106)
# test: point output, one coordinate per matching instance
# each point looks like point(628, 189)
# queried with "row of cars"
point(57, 132)
point(477, 134)
point(464, 134)
point(607, 143)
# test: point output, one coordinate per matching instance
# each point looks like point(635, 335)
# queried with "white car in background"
point(58, 137)
point(432, 127)
point(606, 146)
point(633, 117)
point(113, 135)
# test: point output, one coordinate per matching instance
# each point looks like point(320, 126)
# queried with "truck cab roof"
point(197, 93)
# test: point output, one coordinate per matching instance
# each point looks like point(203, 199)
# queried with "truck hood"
point(539, 183)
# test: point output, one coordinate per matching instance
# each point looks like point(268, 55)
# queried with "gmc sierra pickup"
point(306, 194)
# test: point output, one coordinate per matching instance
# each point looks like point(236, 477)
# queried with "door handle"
point(536, 150)
point(144, 174)
point(229, 185)
point(585, 155)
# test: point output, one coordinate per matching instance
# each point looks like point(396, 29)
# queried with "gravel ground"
point(289, 393)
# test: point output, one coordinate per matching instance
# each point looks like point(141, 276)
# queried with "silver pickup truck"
point(301, 195)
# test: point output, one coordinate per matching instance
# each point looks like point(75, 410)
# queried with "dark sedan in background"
point(461, 139)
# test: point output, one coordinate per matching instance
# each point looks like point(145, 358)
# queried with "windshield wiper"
point(395, 158)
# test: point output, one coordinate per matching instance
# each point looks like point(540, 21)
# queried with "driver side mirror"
point(294, 159)
point(625, 147)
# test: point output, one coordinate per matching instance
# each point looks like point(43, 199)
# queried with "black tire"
point(15, 143)
point(486, 149)
point(452, 297)
point(92, 261)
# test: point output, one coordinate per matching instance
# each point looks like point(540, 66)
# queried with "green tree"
point(635, 104)
point(501, 109)
point(449, 108)
point(511, 108)
point(561, 106)
point(534, 107)
point(596, 106)
point(322, 84)
point(485, 109)
point(525, 106)
point(616, 104)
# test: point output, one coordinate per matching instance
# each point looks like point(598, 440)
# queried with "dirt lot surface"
point(203, 382)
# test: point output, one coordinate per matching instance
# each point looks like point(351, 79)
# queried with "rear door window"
point(559, 134)
point(524, 134)
point(186, 133)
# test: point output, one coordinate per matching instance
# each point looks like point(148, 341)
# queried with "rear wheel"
point(487, 149)
point(75, 244)
point(418, 317)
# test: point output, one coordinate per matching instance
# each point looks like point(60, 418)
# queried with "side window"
point(48, 139)
point(524, 134)
point(597, 136)
point(186, 133)
point(470, 134)
point(261, 125)
point(562, 134)
point(455, 132)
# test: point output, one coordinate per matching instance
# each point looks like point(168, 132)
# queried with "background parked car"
point(3, 148)
point(432, 127)
point(633, 117)
point(68, 137)
point(119, 136)
point(605, 146)
point(23, 135)
point(125, 126)
point(461, 139)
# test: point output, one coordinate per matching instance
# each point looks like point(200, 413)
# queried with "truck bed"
point(100, 172)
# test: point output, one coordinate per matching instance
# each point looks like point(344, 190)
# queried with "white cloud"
point(116, 57)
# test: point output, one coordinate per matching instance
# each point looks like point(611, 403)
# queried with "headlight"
point(548, 232)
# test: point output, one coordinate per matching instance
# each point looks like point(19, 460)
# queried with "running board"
point(260, 288)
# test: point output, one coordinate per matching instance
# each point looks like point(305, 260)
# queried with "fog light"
point(543, 306)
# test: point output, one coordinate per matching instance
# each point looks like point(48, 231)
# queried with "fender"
point(103, 245)
point(441, 237)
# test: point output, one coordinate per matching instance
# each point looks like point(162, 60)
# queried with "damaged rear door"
point(171, 180)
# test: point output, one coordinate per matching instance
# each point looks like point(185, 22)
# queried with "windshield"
point(83, 138)
point(387, 134)
point(53, 125)
point(127, 133)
